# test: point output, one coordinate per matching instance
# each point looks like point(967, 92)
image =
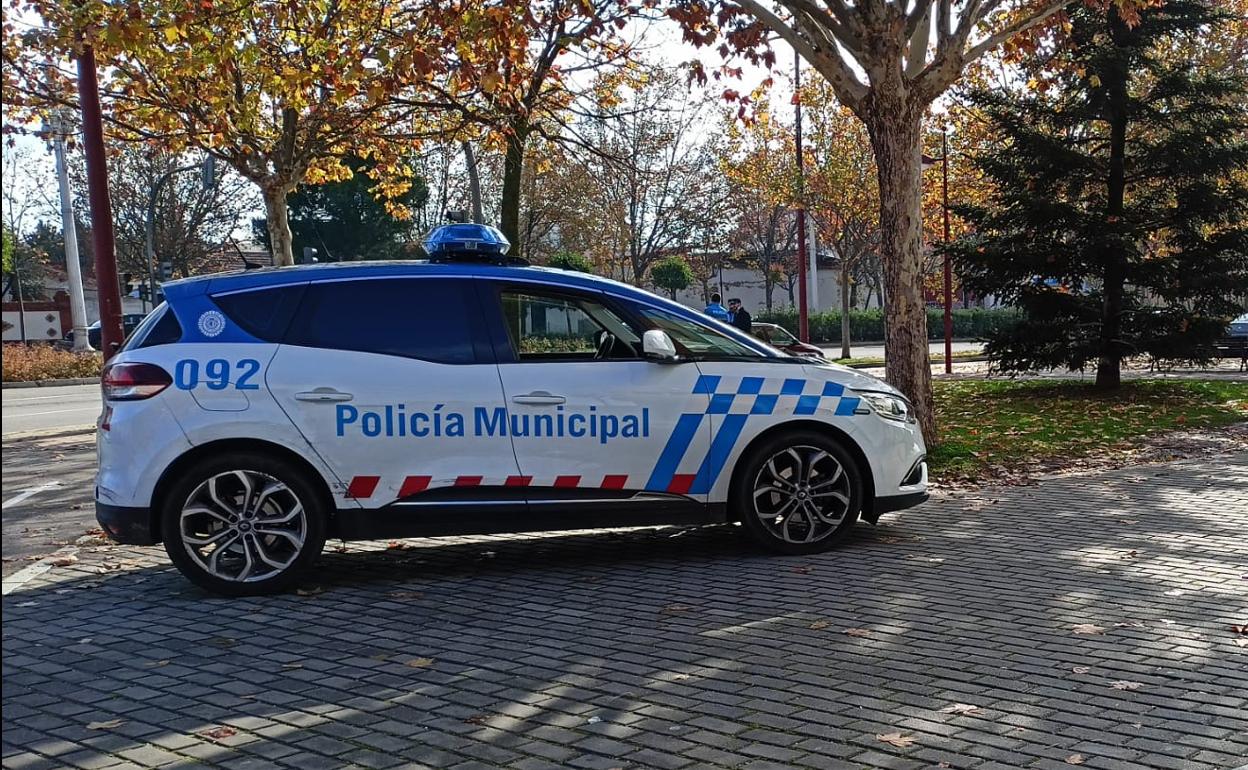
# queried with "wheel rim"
point(801, 494)
point(243, 526)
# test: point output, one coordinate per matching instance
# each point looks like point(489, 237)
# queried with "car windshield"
point(781, 336)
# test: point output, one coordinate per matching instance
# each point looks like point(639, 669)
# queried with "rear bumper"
point(893, 503)
point(125, 525)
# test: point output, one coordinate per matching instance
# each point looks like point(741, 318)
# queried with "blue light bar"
point(466, 242)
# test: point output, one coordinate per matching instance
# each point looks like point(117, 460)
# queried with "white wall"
point(42, 325)
point(748, 286)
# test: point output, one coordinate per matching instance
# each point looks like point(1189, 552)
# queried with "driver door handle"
point(539, 398)
point(323, 395)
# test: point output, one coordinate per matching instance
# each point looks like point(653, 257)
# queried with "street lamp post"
point(207, 178)
point(803, 319)
point(56, 129)
point(928, 162)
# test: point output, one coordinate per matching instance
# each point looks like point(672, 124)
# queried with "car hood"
point(850, 378)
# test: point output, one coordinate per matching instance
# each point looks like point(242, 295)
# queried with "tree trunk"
point(844, 308)
point(1109, 363)
point(513, 168)
point(474, 183)
point(896, 138)
point(278, 224)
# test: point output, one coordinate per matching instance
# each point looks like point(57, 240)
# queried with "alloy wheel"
point(801, 494)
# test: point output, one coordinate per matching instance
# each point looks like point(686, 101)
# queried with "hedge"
point(868, 325)
point(28, 363)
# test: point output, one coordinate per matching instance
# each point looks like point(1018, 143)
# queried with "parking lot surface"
point(1086, 620)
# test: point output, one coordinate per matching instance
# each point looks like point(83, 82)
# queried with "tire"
point(244, 524)
point(798, 517)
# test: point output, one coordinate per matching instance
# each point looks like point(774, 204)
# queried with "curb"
point(51, 383)
point(73, 430)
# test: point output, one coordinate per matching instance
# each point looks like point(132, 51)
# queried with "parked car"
point(1234, 343)
point(258, 413)
point(129, 322)
point(780, 337)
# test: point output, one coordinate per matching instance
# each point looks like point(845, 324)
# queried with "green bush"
point(868, 325)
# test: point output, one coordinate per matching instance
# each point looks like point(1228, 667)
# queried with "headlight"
point(887, 405)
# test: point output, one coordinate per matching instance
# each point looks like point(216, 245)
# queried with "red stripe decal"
point(614, 482)
point(362, 487)
point(681, 483)
point(468, 481)
point(414, 484)
point(518, 481)
point(567, 481)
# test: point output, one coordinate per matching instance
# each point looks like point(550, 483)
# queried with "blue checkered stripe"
point(736, 405)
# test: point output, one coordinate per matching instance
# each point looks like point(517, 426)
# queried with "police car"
point(257, 413)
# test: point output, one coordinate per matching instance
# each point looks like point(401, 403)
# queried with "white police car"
point(258, 413)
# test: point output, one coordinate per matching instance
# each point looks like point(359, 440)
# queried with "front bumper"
point(125, 525)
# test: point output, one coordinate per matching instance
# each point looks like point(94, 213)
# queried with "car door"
point(387, 378)
point(589, 420)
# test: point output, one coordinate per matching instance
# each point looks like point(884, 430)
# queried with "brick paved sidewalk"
point(671, 648)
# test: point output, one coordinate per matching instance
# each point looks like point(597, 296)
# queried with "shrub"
point(28, 363)
point(868, 325)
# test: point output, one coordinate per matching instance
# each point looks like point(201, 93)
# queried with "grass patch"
point(28, 363)
point(1001, 423)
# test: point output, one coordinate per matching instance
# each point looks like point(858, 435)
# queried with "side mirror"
point(657, 346)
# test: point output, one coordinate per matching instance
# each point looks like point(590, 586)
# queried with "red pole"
point(803, 319)
point(944, 146)
point(111, 332)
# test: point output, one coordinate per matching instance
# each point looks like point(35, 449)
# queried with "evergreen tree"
point(1119, 222)
point(345, 220)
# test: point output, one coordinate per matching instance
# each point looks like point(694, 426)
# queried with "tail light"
point(133, 382)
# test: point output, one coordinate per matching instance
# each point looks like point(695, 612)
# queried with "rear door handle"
point(539, 398)
point(323, 395)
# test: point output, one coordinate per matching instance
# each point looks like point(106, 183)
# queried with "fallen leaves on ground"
point(819, 625)
point(1123, 684)
point(419, 663)
point(219, 732)
point(406, 594)
point(674, 608)
point(62, 561)
point(311, 591)
point(960, 708)
point(109, 725)
point(1074, 759)
point(896, 739)
point(1081, 669)
point(158, 663)
point(857, 632)
point(398, 545)
point(1087, 628)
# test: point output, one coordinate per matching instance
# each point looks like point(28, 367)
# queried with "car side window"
point(695, 340)
point(263, 313)
point(431, 319)
point(551, 327)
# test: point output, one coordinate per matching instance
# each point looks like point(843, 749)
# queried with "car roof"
point(266, 277)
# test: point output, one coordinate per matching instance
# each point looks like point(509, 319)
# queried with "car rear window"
point(262, 313)
point(432, 319)
point(159, 327)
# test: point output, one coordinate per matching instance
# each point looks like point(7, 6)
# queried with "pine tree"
point(1119, 222)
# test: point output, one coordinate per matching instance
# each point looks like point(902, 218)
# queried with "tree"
point(344, 221)
point(190, 220)
point(7, 243)
point(888, 43)
point(281, 91)
point(1119, 222)
point(672, 274)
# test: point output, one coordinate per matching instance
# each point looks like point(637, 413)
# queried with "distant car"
point(129, 322)
point(780, 337)
point(1234, 343)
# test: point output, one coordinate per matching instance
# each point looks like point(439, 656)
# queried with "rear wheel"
point(243, 525)
point(799, 492)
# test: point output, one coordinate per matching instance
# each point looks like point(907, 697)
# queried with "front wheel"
point(243, 525)
point(798, 493)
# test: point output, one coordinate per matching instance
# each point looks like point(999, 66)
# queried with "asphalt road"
point(49, 482)
point(50, 409)
point(876, 350)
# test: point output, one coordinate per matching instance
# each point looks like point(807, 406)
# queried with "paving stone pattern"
point(677, 648)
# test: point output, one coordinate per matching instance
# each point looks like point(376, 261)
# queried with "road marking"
point(23, 496)
point(31, 398)
point(26, 574)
